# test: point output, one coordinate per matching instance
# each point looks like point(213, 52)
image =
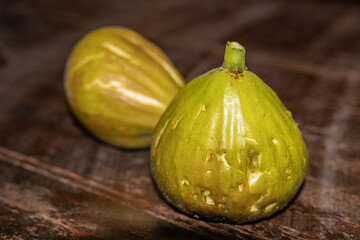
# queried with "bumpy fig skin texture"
point(227, 149)
point(118, 84)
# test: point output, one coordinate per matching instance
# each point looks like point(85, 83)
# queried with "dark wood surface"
point(58, 182)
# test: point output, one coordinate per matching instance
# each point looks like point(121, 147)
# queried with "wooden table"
point(59, 182)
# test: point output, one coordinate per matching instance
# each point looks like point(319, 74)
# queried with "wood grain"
point(58, 182)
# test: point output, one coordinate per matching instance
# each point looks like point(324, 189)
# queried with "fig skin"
point(226, 148)
point(118, 84)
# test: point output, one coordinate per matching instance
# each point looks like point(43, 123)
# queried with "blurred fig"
point(118, 84)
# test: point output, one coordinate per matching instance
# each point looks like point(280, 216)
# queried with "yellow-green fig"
point(118, 84)
point(226, 148)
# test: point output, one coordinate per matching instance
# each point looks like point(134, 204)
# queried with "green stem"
point(234, 58)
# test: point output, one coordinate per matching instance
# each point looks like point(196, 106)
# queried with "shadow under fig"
point(89, 134)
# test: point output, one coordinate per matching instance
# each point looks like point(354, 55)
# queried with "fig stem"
point(234, 58)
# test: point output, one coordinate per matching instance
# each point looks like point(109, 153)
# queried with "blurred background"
point(296, 36)
point(307, 51)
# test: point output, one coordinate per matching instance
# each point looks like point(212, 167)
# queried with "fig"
point(118, 84)
point(226, 148)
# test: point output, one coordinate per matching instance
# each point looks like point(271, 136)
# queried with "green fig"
point(118, 84)
point(226, 148)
